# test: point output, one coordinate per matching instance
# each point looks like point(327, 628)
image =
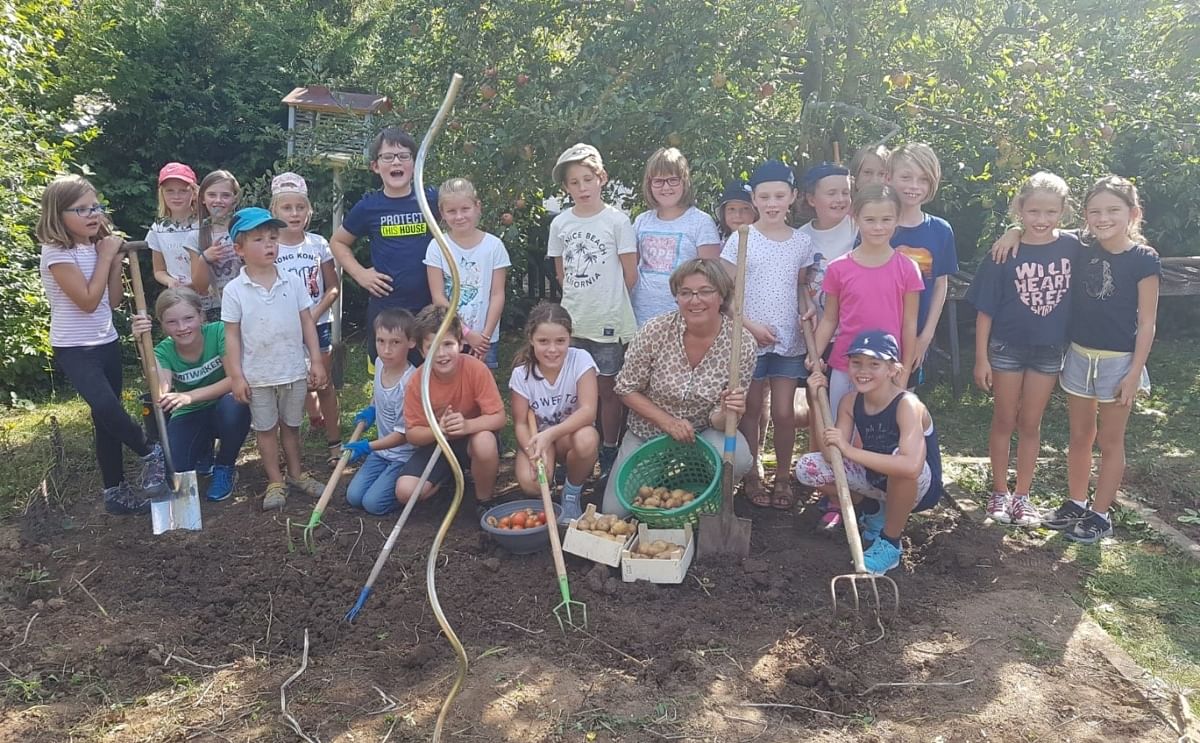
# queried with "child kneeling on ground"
point(374, 485)
point(463, 393)
point(888, 444)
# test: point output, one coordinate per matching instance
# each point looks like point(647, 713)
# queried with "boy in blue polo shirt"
point(398, 235)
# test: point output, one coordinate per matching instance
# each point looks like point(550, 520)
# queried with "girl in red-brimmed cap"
point(176, 220)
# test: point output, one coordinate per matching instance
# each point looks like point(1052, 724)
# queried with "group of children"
point(869, 268)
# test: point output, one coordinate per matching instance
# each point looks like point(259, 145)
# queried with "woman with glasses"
point(676, 374)
point(672, 231)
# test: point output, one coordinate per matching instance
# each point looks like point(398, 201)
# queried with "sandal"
point(754, 490)
point(335, 453)
point(782, 497)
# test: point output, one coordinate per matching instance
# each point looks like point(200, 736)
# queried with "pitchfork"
point(825, 419)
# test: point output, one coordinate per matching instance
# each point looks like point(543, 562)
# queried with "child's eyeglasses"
point(88, 211)
point(391, 157)
point(689, 294)
point(671, 181)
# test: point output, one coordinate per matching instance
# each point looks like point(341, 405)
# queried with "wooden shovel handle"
point(145, 342)
point(735, 351)
point(343, 460)
point(560, 567)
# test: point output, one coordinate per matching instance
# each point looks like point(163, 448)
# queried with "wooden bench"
point(1180, 278)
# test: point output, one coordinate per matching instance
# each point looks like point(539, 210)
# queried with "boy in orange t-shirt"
point(464, 395)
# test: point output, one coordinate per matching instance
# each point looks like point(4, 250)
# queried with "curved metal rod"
point(426, 369)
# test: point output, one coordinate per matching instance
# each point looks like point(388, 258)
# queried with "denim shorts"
point(774, 365)
point(609, 357)
point(491, 358)
point(1019, 357)
point(1088, 372)
point(325, 335)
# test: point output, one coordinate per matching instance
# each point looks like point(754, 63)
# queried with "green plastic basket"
point(664, 462)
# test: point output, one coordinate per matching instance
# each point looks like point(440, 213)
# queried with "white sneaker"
point(999, 508)
point(1022, 512)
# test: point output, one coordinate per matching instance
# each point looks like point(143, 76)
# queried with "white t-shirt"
point(70, 326)
point(553, 403)
point(774, 271)
point(593, 282)
point(272, 340)
point(304, 260)
point(389, 411)
point(169, 239)
point(476, 267)
point(662, 246)
point(224, 269)
point(827, 245)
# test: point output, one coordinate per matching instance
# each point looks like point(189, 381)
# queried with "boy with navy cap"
point(268, 327)
point(889, 446)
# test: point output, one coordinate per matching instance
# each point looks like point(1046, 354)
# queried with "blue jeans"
point(192, 434)
point(373, 488)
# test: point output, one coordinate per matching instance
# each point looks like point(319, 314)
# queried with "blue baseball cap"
point(772, 170)
point(735, 190)
point(877, 344)
point(250, 218)
point(813, 175)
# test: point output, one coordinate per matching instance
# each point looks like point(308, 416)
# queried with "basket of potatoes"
point(670, 483)
point(599, 537)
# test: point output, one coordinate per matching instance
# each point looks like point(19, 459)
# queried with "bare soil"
point(110, 634)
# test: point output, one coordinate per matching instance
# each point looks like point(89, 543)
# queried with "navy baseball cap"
point(877, 344)
point(813, 175)
point(250, 218)
point(735, 190)
point(772, 170)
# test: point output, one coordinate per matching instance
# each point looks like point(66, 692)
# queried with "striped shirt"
point(70, 326)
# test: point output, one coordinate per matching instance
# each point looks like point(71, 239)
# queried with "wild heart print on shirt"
point(1042, 286)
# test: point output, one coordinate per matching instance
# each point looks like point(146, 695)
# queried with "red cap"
point(177, 170)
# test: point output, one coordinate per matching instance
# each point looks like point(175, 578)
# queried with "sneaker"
point(120, 500)
point(1065, 516)
point(275, 497)
point(154, 469)
point(204, 465)
point(1090, 530)
point(224, 477)
point(1022, 511)
point(570, 511)
point(560, 474)
point(871, 525)
point(881, 557)
point(608, 455)
point(999, 507)
point(306, 484)
point(830, 522)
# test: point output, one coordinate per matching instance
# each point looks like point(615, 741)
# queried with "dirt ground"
point(110, 634)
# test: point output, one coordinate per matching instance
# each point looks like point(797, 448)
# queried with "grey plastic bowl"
point(524, 541)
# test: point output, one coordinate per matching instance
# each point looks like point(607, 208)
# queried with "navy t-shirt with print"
point(398, 238)
point(931, 245)
point(1104, 306)
point(1028, 297)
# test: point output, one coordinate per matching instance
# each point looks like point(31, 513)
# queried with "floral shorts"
point(813, 471)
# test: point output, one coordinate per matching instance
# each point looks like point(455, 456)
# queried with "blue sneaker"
point(881, 557)
point(1090, 530)
point(224, 477)
point(871, 524)
point(204, 465)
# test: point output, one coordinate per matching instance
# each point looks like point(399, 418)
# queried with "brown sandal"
point(782, 497)
point(754, 490)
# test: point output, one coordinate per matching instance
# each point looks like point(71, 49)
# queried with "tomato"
point(505, 522)
point(519, 519)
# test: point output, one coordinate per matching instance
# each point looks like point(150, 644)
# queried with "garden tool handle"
point(144, 341)
point(735, 351)
point(331, 485)
point(560, 567)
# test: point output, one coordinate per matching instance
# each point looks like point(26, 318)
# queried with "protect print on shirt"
point(402, 225)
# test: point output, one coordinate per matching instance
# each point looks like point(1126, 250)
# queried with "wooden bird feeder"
point(330, 124)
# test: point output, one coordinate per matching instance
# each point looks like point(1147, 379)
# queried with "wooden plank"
point(321, 98)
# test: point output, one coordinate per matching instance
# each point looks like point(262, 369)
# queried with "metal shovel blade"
point(179, 507)
point(725, 533)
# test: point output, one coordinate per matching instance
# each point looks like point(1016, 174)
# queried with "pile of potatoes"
point(648, 497)
point(606, 527)
point(658, 550)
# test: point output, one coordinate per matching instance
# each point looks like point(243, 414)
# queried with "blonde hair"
point(1043, 182)
point(1124, 190)
point(922, 157)
point(179, 295)
point(164, 212)
point(56, 199)
point(457, 187)
point(875, 193)
point(664, 163)
point(871, 150)
point(275, 202)
point(210, 180)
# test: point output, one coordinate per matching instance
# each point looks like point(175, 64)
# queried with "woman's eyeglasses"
point(88, 211)
point(391, 157)
point(706, 294)
point(672, 181)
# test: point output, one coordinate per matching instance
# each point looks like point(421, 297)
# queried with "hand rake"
point(306, 534)
point(560, 568)
point(391, 540)
point(825, 419)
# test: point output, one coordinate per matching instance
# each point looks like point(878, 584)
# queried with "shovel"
point(726, 533)
point(179, 506)
point(825, 419)
point(560, 567)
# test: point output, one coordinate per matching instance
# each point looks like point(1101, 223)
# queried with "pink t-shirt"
point(869, 298)
point(70, 326)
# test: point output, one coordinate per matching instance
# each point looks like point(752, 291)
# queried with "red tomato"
point(505, 522)
point(519, 519)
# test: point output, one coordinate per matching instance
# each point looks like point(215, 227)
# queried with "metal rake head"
point(565, 607)
point(851, 581)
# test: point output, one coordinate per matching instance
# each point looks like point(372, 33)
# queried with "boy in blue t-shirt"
point(914, 171)
point(398, 235)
